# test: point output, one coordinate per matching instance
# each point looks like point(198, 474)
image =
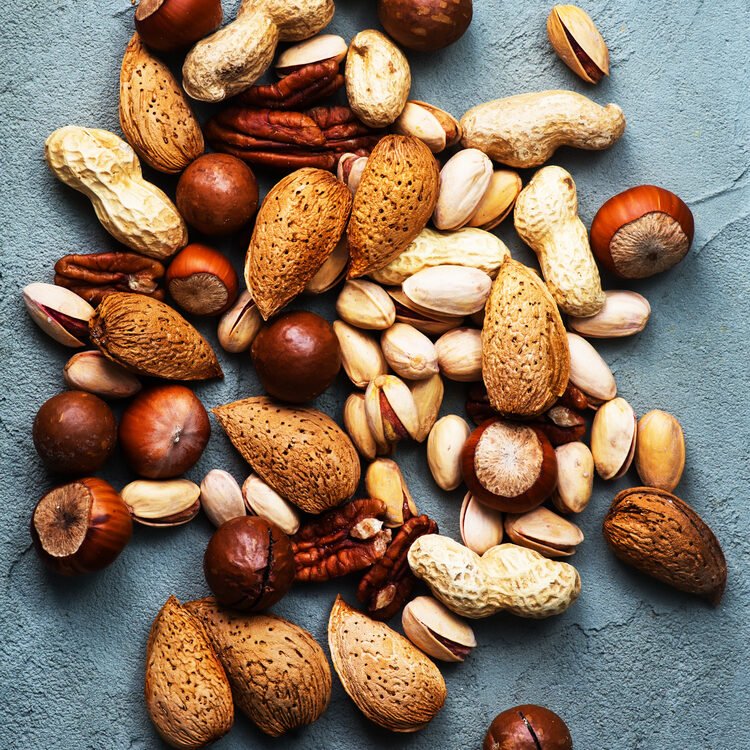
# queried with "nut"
point(589, 372)
point(460, 354)
point(481, 526)
point(409, 352)
point(171, 502)
point(449, 290)
point(623, 314)
point(170, 25)
point(361, 355)
point(60, 313)
point(425, 25)
point(561, 425)
point(431, 125)
point(384, 481)
point(576, 39)
point(319, 48)
point(350, 169)
point(355, 423)
point(365, 305)
point(428, 397)
point(426, 321)
point(432, 627)
point(575, 477)
point(221, 497)
point(240, 325)
point(463, 182)
point(660, 450)
point(613, 438)
point(268, 504)
point(444, 445)
point(391, 410)
point(528, 727)
point(498, 200)
point(543, 531)
point(91, 371)
point(332, 271)
point(297, 20)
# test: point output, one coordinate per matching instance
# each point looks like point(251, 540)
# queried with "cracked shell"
point(578, 42)
point(428, 398)
point(432, 627)
point(613, 438)
point(544, 531)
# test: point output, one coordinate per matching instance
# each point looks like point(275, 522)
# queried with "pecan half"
point(387, 586)
point(95, 276)
point(574, 398)
point(478, 404)
point(561, 425)
point(341, 541)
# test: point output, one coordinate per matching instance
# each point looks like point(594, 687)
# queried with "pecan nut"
point(96, 275)
point(387, 586)
point(478, 404)
point(341, 541)
point(561, 425)
point(574, 398)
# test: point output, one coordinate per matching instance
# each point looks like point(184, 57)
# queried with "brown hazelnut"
point(528, 728)
point(169, 25)
point(249, 563)
point(425, 25)
point(217, 194)
point(74, 433)
point(297, 356)
point(163, 431)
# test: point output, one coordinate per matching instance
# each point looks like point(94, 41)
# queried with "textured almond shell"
point(298, 226)
point(300, 453)
point(188, 696)
point(391, 681)
point(279, 674)
point(663, 537)
point(154, 114)
point(525, 357)
point(526, 129)
point(393, 203)
point(150, 338)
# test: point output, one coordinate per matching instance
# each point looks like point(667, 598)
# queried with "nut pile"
point(372, 208)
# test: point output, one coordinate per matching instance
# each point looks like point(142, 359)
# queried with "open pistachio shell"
point(434, 629)
point(576, 39)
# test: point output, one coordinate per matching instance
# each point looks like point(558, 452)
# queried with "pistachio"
point(426, 321)
point(576, 39)
point(575, 477)
point(391, 410)
point(91, 371)
point(432, 627)
point(460, 354)
point(332, 271)
point(444, 446)
point(170, 502)
point(419, 122)
point(624, 313)
point(355, 423)
point(450, 290)
point(498, 200)
point(239, 325)
point(464, 180)
point(349, 170)
point(384, 481)
point(613, 438)
point(451, 125)
point(365, 305)
point(410, 354)
point(361, 355)
point(318, 49)
point(221, 497)
point(481, 526)
point(428, 397)
point(60, 313)
point(660, 450)
point(589, 372)
point(544, 531)
point(269, 505)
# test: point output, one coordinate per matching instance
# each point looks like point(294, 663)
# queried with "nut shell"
point(528, 727)
point(660, 450)
point(426, 25)
point(432, 627)
point(576, 39)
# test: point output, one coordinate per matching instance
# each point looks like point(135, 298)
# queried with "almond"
point(392, 682)
point(279, 674)
point(155, 116)
point(300, 453)
point(150, 338)
point(393, 203)
point(188, 696)
point(298, 226)
point(525, 358)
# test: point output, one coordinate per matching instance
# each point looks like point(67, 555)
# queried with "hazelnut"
point(163, 431)
point(217, 194)
point(169, 25)
point(425, 25)
point(528, 728)
point(297, 356)
point(74, 433)
point(249, 564)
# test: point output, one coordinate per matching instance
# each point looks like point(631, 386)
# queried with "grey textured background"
point(632, 664)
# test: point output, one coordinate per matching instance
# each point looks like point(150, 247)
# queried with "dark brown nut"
point(574, 398)
point(342, 541)
point(561, 425)
point(96, 275)
point(528, 728)
point(478, 405)
point(74, 433)
point(388, 585)
point(425, 25)
point(249, 564)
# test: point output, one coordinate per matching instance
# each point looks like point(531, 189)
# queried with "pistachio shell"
point(332, 271)
point(319, 48)
point(428, 397)
point(575, 477)
point(481, 526)
point(624, 314)
point(239, 325)
point(384, 481)
point(451, 290)
point(588, 371)
point(355, 423)
point(576, 39)
point(401, 405)
point(450, 124)
point(432, 627)
point(361, 355)
point(460, 354)
point(60, 313)
point(426, 321)
point(498, 200)
point(444, 445)
point(660, 450)
point(419, 122)
point(409, 352)
point(91, 371)
point(171, 502)
point(613, 438)
point(544, 531)
point(464, 180)
point(365, 305)
point(267, 503)
point(221, 497)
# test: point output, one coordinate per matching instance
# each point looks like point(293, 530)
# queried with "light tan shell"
point(506, 577)
point(428, 398)
point(300, 453)
point(154, 114)
point(525, 130)
point(391, 681)
point(401, 182)
point(106, 170)
point(470, 247)
point(378, 78)
point(588, 371)
point(296, 19)
point(576, 39)
point(298, 226)
point(188, 696)
point(525, 358)
point(659, 450)
point(546, 219)
point(150, 338)
point(279, 673)
point(624, 313)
